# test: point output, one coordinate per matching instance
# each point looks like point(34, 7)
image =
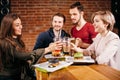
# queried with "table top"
point(81, 72)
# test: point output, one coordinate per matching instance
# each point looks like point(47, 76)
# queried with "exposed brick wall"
point(36, 14)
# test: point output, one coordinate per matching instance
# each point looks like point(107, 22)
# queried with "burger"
point(78, 55)
point(56, 53)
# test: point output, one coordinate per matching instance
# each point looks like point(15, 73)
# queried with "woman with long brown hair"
point(13, 54)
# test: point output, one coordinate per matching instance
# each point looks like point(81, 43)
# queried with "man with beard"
point(82, 30)
point(45, 38)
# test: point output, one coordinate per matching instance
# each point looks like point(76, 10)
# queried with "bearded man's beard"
point(76, 22)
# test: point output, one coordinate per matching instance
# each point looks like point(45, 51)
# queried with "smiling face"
point(99, 25)
point(57, 23)
point(17, 27)
point(75, 15)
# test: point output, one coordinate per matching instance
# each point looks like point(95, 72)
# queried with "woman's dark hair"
point(6, 29)
point(77, 5)
point(60, 15)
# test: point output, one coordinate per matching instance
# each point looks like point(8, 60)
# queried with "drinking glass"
point(57, 52)
point(72, 40)
point(66, 46)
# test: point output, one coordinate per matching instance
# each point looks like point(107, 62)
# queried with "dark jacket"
point(45, 38)
point(12, 60)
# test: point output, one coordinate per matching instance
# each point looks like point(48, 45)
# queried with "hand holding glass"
point(58, 47)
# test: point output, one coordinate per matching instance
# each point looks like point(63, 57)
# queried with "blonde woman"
point(105, 47)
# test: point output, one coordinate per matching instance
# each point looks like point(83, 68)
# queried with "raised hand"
point(77, 49)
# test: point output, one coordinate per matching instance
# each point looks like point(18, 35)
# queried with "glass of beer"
point(66, 45)
point(57, 52)
point(72, 40)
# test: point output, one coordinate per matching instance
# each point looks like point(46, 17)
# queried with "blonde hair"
point(107, 17)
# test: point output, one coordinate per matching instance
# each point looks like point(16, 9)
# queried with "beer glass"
point(57, 52)
point(66, 45)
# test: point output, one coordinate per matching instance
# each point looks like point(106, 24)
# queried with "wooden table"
point(81, 72)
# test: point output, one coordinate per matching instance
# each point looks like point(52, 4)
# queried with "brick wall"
point(36, 14)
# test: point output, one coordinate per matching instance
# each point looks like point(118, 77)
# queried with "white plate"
point(44, 66)
point(86, 59)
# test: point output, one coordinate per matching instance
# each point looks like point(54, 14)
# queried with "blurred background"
point(36, 14)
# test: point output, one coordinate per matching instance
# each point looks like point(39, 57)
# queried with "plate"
point(44, 66)
point(86, 59)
